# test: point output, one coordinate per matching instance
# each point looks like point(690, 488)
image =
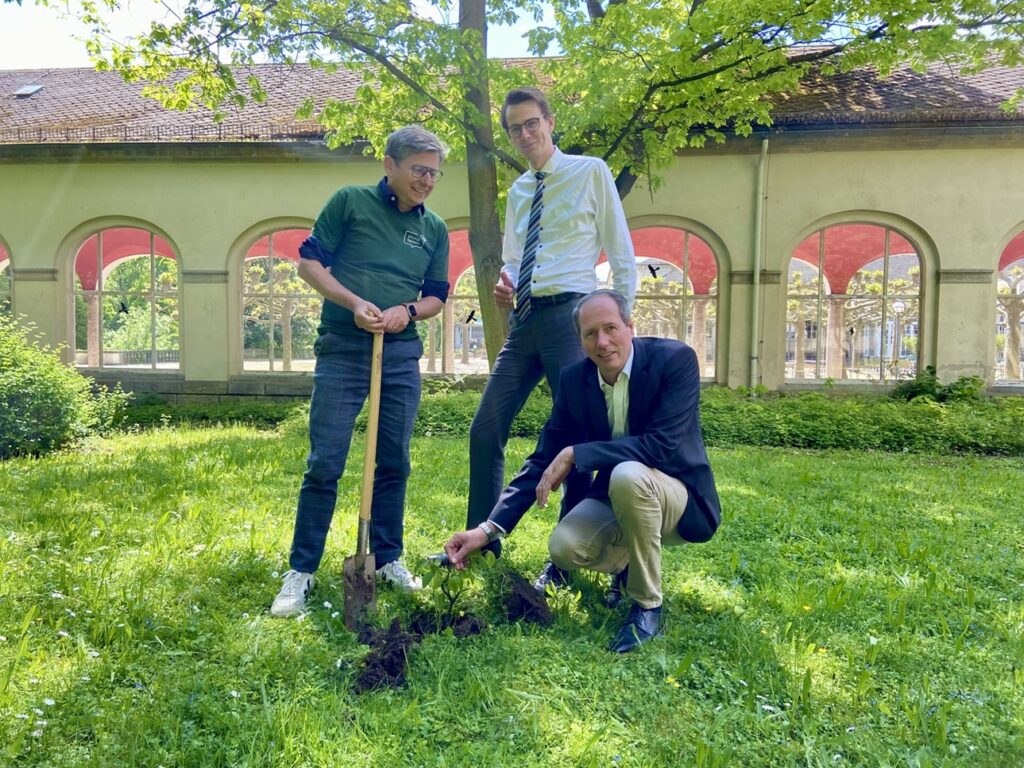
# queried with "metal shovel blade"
point(360, 572)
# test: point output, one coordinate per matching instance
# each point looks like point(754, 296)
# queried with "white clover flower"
point(57, 596)
point(49, 702)
point(334, 615)
point(234, 694)
point(38, 711)
point(327, 604)
point(20, 716)
point(94, 654)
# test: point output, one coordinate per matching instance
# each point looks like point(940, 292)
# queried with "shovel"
point(360, 570)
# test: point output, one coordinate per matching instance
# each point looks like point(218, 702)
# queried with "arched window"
point(126, 301)
point(280, 312)
point(677, 290)
point(467, 326)
point(853, 305)
point(5, 282)
point(1010, 313)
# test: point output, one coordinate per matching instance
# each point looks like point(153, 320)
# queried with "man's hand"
point(555, 474)
point(395, 318)
point(504, 291)
point(368, 317)
point(462, 545)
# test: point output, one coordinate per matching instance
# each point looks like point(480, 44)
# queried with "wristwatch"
point(493, 531)
point(412, 311)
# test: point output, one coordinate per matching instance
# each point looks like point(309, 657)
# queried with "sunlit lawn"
point(854, 609)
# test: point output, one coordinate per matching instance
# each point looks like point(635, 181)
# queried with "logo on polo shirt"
point(415, 239)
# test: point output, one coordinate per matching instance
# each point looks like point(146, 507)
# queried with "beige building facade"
point(916, 226)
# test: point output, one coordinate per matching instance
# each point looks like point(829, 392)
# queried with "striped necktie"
point(530, 250)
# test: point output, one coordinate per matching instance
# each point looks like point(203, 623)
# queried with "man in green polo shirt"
point(380, 260)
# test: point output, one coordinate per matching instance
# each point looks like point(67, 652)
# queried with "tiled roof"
point(85, 106)
point(937, 95)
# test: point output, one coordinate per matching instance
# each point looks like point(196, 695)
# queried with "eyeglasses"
point(419, 171)
point(516, 129)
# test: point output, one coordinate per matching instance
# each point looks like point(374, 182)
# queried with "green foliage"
point(44, 404)
point(255, 413)
point(636, 83)
point(961, 424)
point(860, 605)
point(926, 384)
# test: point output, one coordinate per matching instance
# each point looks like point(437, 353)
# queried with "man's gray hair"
point(412, 140)
point(615, 296)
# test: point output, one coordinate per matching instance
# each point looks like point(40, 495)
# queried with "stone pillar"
point(448, 339)
point(966, 327)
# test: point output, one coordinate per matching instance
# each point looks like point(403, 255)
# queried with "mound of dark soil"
point(423, 624)
point(523, 602)
point(384, 666)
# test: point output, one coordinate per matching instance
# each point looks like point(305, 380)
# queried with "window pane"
point(801, 338)
point(256, 335)
point(256, 275)
point(661, 315)
point(166, 274)
point(127, 331)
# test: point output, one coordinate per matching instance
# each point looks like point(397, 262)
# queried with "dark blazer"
point(664, 433)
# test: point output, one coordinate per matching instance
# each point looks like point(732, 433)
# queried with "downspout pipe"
point(755, 298)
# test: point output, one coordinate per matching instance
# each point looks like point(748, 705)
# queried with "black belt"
point(555, 300)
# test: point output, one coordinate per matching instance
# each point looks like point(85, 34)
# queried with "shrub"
point(926, 384)
point(45, 404)
point(257, 413)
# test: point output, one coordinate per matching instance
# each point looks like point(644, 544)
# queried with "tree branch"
point(418, 88)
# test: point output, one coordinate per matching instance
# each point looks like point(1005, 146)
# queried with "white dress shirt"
point(616, 398)
point(582, 216)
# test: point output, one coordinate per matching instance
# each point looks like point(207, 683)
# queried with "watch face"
point(412, 310)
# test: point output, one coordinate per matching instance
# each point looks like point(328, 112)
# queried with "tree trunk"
point(92, 331)
point(835, 367)
point(1013, 308)
point(700, 327)
point(798, 346)
point(484, 226)
point(286, 333)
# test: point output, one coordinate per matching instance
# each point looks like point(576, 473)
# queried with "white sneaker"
point(397, 574)
point(292, 597)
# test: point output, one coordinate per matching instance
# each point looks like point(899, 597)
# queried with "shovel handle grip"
point(373, 418)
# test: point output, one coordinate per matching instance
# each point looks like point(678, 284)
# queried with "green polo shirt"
point(379, 253)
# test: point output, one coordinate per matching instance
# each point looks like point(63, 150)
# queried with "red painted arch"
point(119, 243)
point(666, 244)
point(1013, 251)
point(848, 248)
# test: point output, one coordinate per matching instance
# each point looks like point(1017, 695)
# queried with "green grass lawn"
point(854, 609)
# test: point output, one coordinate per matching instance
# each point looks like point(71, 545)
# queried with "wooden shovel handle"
point(370, 454)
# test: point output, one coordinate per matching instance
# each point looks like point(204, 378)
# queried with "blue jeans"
point(542, 346)
point(341, 383)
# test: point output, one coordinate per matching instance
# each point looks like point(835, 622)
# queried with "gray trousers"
point(541, 346)
point(630, 528)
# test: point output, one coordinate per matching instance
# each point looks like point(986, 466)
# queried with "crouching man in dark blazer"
point(629, 413)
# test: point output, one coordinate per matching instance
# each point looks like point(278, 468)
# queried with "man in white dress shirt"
point(561, 214)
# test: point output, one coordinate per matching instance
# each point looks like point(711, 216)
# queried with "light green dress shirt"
point(616, 398)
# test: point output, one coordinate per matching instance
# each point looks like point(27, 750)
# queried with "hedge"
point(826, 420)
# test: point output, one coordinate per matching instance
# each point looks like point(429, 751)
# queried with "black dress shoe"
point(553, 575)
point(643, 624)
point(616, 586)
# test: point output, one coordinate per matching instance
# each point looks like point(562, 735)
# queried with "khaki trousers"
point(645, 508)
